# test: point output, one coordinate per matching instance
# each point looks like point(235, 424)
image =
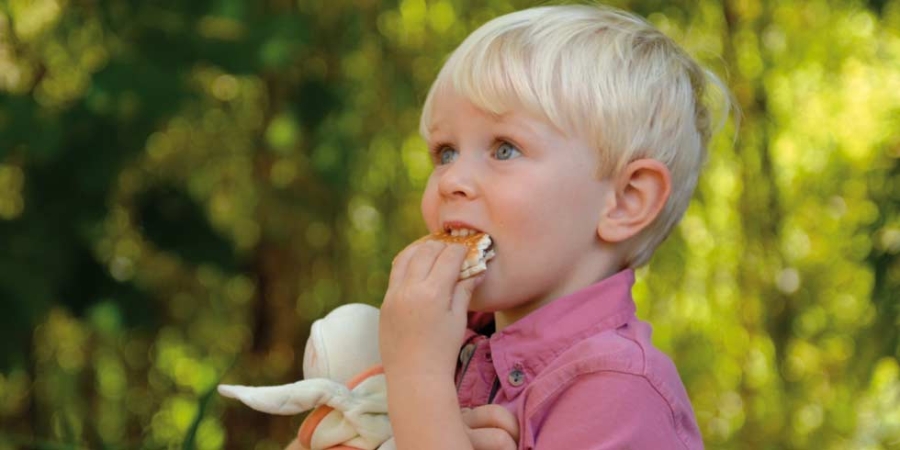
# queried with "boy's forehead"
point(509, 120)
point(448, 104)
point(506, 120)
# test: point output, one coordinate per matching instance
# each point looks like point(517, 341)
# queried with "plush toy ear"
point(286, 399)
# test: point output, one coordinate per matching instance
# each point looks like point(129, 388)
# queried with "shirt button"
point(466, 353)
point(516, 377)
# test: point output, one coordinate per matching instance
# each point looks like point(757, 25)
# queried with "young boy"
point(573, 136)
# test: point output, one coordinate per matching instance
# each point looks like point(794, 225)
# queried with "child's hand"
point(491, 427)
point(423, 320)
point(423, 316)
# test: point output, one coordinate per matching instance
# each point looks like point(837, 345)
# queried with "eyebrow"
point(524, 135)
point(524, 129)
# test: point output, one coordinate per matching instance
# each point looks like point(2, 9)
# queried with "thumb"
point(462, 293)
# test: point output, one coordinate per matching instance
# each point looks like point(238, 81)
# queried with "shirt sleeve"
point(608, 410)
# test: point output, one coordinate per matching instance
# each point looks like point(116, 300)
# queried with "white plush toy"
point(344, 384)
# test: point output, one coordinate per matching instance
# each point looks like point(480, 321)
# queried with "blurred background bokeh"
point(186, 185)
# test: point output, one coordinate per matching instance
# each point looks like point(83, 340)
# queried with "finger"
point(423, 260)
point(400, 264)
point(449, 262)
point(491, 439)
point(462, 294)
point(492, 416)
point(446, 272)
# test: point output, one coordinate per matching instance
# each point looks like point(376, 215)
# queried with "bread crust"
point(480, 251)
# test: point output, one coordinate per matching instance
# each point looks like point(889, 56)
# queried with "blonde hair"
point(606, 75)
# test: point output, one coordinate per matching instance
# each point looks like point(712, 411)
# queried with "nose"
point(458, 180)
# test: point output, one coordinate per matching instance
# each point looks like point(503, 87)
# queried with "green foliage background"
point(186, 185)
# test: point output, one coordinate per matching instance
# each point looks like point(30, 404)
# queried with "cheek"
point(548, 214)
point(429, 207)
point(520, 215)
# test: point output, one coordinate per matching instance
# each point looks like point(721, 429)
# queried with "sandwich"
point(481, 250)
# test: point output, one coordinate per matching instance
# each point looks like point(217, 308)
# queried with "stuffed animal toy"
point(343, 385)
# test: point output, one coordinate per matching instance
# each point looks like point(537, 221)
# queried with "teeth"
point(462, 232)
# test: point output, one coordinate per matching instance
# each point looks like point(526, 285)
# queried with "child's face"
point(532, 188)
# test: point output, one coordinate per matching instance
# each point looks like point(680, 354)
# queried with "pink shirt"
point(580, 373)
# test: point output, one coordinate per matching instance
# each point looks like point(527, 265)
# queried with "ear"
point(639, 193)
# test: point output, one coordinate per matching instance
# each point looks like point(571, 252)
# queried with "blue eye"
point(446, 155)
point(506, 151)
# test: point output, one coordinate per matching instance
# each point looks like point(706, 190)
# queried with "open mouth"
point(461, 232)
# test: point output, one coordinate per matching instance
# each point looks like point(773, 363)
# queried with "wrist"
point(419, 379)
point(418, 369)
point(425, 413)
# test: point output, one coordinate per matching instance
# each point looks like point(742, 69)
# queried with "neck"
point(507, 317)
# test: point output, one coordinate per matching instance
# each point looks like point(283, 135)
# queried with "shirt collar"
point(532, 342)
